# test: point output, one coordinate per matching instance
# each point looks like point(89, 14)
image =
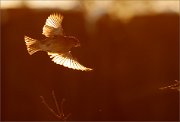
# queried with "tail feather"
point(32, 45)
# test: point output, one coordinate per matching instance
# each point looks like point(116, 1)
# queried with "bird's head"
point(74, 41)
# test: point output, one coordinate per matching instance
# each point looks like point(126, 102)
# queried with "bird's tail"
point(32, 45)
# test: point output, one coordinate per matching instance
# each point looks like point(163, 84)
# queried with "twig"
point(173, 86)
point(55, 101)
point(62, 102)
point(60, 114)
point(49, 108)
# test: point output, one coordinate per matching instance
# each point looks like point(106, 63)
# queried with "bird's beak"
point(78, 45)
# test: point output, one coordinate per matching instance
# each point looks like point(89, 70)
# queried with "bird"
point(57, 45)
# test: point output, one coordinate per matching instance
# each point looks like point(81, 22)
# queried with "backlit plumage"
point(56, 44)
point(53, 25)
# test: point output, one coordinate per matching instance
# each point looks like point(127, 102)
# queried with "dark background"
point(131, 61)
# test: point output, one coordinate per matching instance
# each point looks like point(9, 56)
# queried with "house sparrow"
point(56, 44)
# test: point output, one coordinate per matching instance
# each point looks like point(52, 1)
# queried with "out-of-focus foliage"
point(123, 9)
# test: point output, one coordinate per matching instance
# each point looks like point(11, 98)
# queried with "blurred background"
point(133, 47)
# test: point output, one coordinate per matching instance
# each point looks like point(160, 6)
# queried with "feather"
point(67, 60)
point(53, 25)
point(32, 45)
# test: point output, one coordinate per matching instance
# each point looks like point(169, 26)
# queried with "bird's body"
point(56, 44)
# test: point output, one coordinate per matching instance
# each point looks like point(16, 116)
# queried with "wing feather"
point(67, 60)
point(53, 25)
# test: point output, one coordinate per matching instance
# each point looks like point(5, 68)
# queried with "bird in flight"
point(56, 44)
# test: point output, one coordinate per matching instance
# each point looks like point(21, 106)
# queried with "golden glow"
point(121, 9)
point(126, 10)
point(52, 4)
point(10, 3)
point(66, 5)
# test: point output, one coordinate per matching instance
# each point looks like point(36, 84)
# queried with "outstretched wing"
point(67, 60)
point(53, 25)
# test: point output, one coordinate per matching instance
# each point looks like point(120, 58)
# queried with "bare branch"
point(55, 101)
point(174, 86)
point(49, 108)
point(62, 102)
point(60, 114)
